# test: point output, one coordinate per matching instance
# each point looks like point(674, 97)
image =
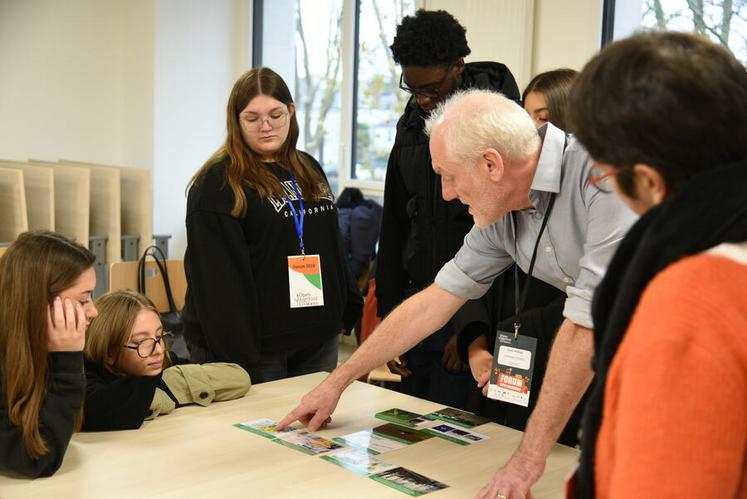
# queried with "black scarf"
point(710, 210)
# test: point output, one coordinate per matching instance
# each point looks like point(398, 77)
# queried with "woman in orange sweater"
point(665, 117)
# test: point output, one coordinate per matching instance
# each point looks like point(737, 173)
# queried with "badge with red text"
point(305, 281)
point(513, 365)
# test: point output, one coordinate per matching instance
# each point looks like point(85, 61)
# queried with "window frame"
point(348, 90)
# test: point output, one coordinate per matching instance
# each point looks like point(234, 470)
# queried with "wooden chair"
point(123, 275)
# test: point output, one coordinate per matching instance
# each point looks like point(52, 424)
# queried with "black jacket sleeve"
point(391, 277)
point(116, 402)
point(470, 322)
point(59, 411)
point(222, 288)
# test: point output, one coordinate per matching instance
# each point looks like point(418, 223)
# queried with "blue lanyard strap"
point(297, 216)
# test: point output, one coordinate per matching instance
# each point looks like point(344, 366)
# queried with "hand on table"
point(315, 408)
point(513, 480)
point(66, 326)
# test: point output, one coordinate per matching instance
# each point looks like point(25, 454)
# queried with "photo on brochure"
point(264, 427)
point(306, 442)
point(401, 416)
point(358, 461)
point(402, 434)
point(370, 441)
point(458, 417)
point(456, 435)
point(407, 481)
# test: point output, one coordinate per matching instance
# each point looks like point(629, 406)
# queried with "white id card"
point(305, 281)
point(513, 366)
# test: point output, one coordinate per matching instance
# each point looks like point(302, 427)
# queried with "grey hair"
point(476, 120)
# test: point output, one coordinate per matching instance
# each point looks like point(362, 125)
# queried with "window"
point(334, 55)
point(378, 100)
point(723, 21)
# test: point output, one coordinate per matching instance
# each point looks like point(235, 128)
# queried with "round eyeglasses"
point(255, 123)
point(147, 347)
point(601, 178)
point(430, 91)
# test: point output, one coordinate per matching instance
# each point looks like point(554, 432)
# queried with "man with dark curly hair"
point(420, 230)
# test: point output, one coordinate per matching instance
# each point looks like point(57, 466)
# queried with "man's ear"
point(650, 185)
point(459, 65)
point(492, 161)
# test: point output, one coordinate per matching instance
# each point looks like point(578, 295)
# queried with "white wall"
point(200, 50)
point(529, 36)
point(566, 34)
point(76, 80)
point(140, 83)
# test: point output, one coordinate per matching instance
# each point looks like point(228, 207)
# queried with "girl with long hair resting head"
point(129, 372)
point(46, 282)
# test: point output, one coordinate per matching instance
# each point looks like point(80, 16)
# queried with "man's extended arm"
point(566, 379)
point(408, 324)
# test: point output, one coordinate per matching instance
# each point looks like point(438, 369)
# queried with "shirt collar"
point(548, 172)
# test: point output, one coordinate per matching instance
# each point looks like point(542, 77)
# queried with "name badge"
point(305, 281)
point(513, 365)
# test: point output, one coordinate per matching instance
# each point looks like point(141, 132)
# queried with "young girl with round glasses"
point(129, 373)
point(46, 281)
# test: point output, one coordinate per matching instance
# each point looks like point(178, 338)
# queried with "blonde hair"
point(476, 119)
point(111, 329)
point(36, 268)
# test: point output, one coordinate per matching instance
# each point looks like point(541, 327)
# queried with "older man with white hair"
point(532, 197)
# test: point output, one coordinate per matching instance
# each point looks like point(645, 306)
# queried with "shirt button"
point(548, 249)
point(567, 280)
point(537, 215)
point(203, 395)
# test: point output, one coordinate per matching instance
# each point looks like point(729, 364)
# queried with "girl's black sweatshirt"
point(238, 302)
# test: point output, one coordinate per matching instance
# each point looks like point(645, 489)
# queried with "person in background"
point(46, 282)
point(420, 230)
point(129, 376)
point(667, 414)
point(546, 97)
point(268, 284)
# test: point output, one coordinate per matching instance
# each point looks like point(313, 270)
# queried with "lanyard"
point(297, 216)
point(519, 303)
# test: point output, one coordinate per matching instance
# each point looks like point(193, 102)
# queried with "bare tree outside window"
point(379, 101)
point(723, 21)
point(318, 73)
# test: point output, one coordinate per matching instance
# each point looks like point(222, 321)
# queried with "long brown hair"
point(113, 325)
point(38, 266)
point(555, 86)
point(244, 165)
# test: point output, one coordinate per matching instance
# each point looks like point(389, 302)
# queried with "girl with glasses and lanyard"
point(129, 372)
point(269, 287)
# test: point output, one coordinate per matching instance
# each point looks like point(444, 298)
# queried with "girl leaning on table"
point(46, 282)
point(129, 371)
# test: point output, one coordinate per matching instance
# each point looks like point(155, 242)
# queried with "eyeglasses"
point(147, 347)
point(602, 179)
point(254, 123)
point(432, 92)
